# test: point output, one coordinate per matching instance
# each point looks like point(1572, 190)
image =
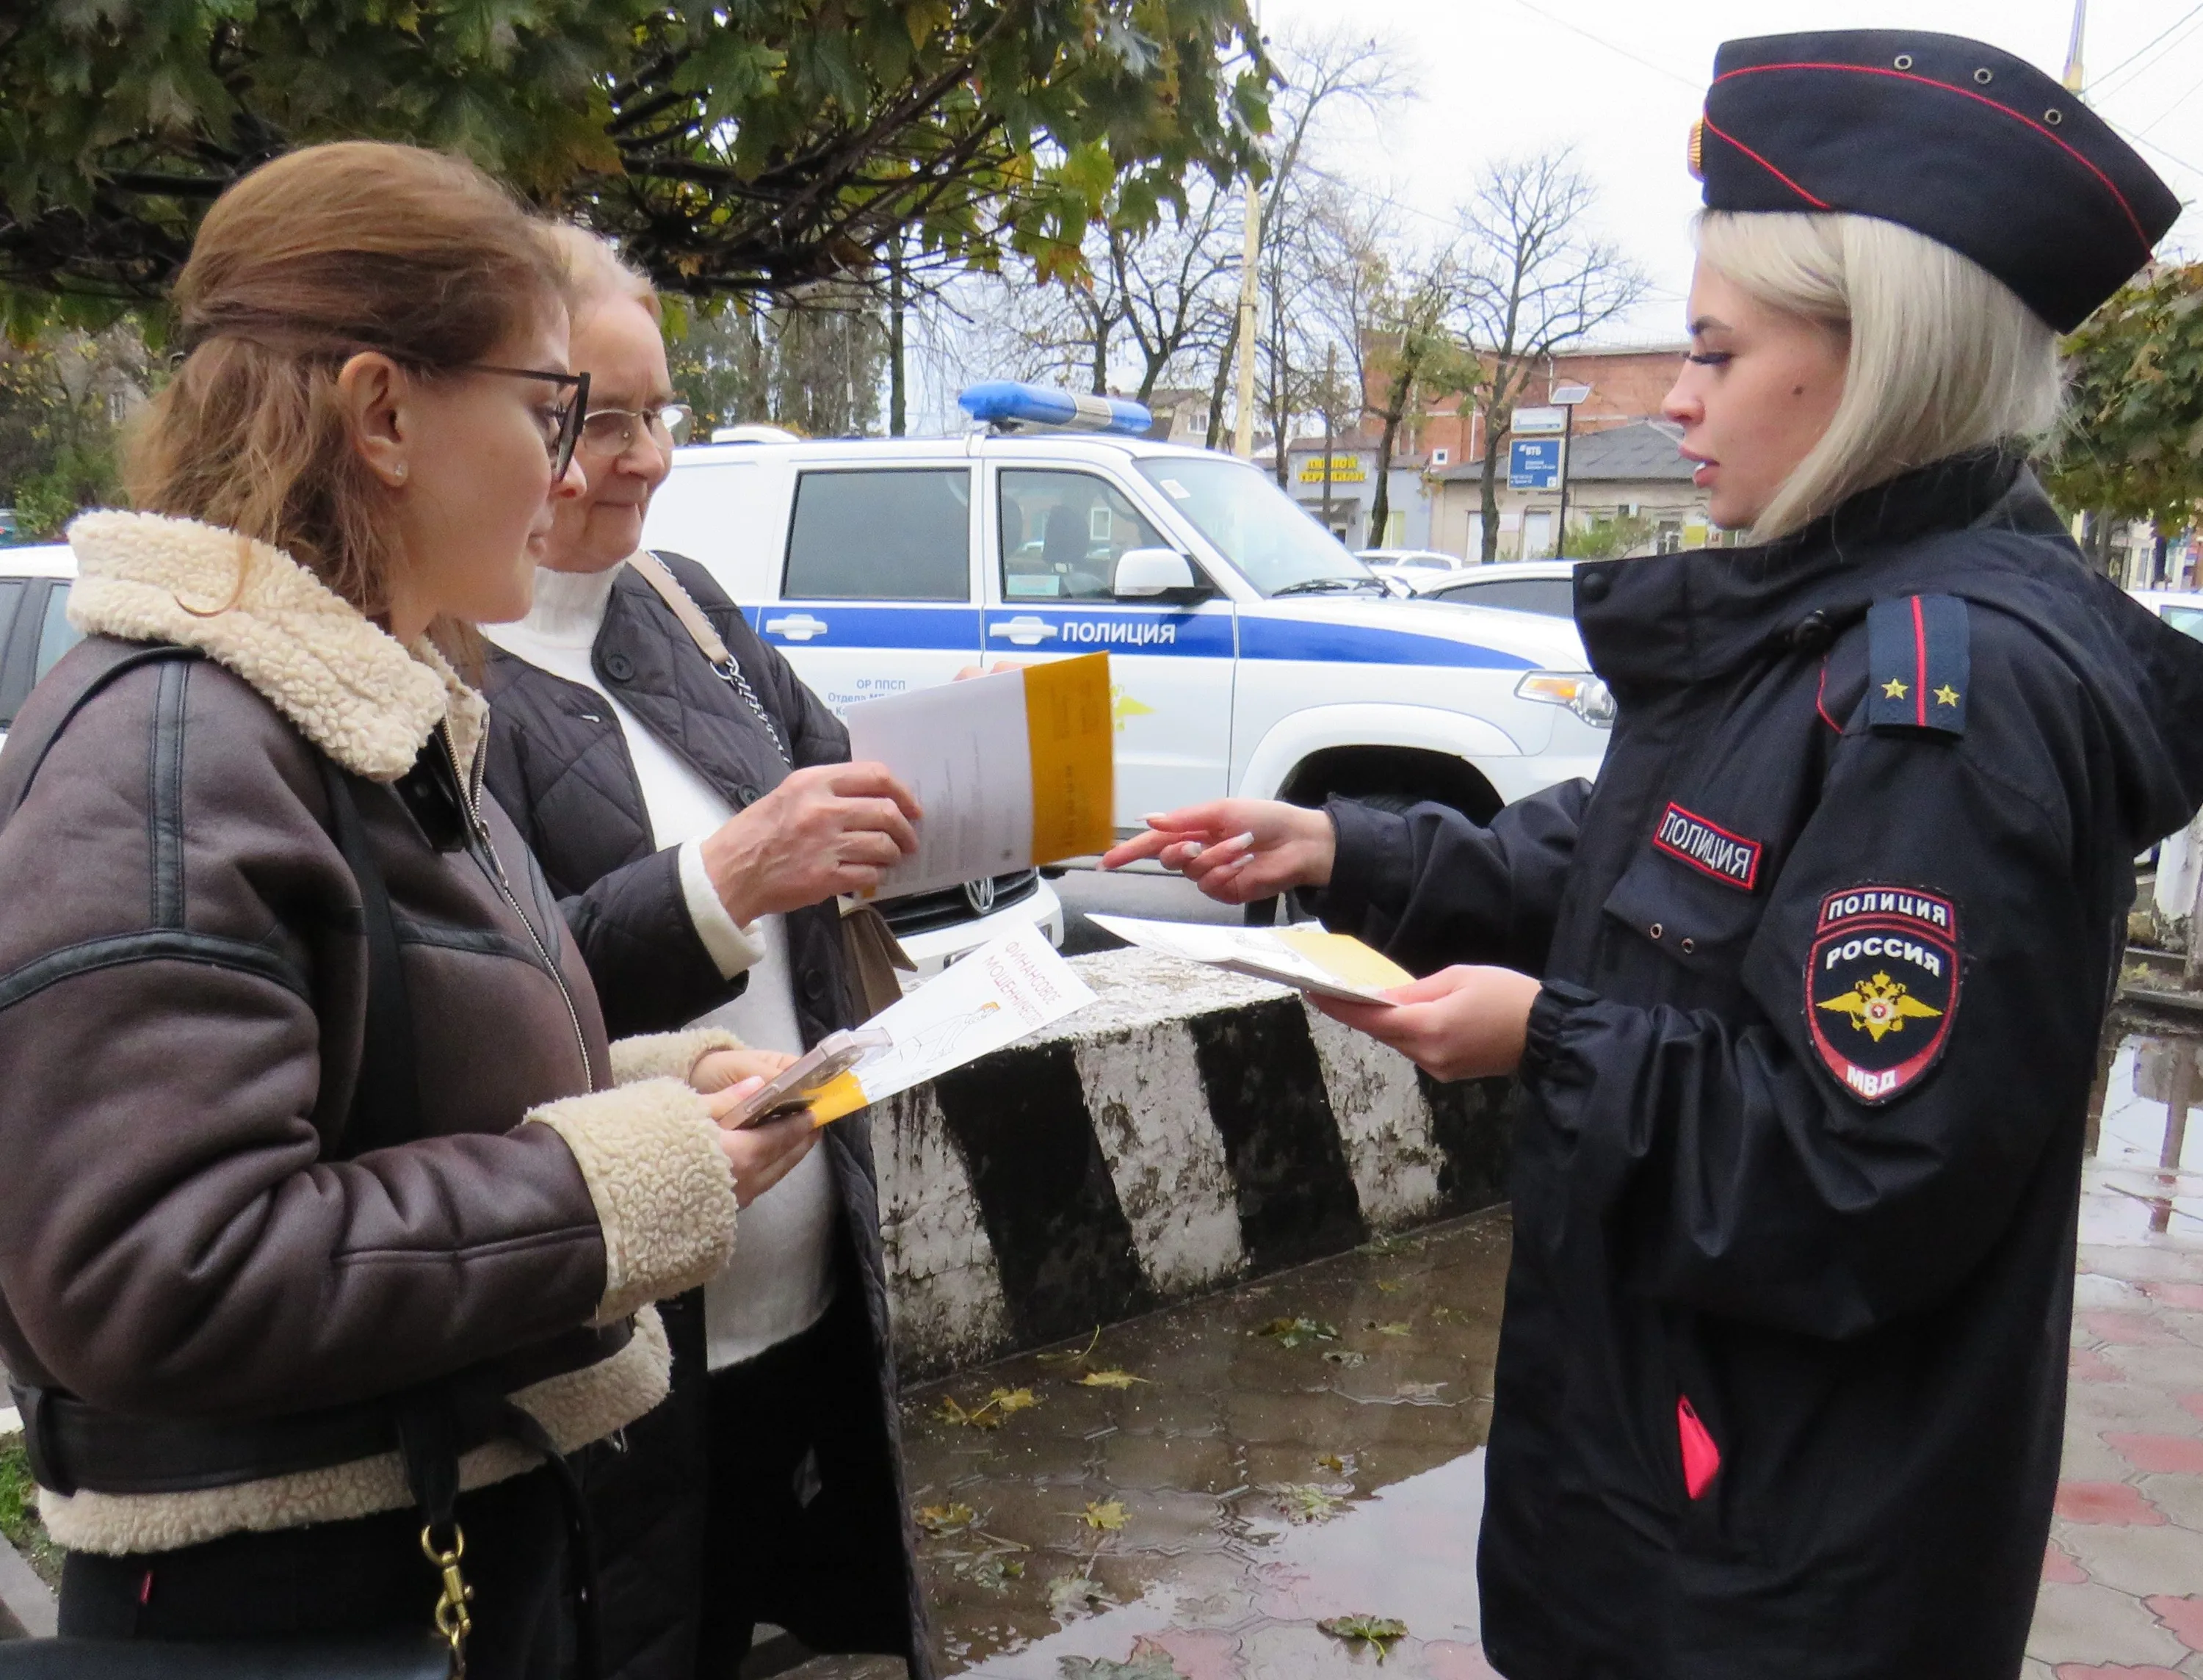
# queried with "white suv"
point(34, 631)
point(1251, 653)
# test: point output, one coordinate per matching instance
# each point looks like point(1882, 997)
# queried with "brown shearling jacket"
point(182, 982)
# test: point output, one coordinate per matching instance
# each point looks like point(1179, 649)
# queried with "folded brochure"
point(983, 1003)
point(1013, 771)
point(1308, 960)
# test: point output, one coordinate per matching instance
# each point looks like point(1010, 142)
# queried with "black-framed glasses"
point(613, 432)
point(559, 438)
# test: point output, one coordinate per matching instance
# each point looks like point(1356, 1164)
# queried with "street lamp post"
point(1565, 398)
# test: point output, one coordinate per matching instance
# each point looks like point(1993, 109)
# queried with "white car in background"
point(1545, 586)
point(2182, 609)
point(34, 628)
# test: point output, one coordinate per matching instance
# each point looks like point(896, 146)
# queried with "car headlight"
point(1581, 692)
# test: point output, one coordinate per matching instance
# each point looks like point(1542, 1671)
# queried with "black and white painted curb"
point(1188, 1129)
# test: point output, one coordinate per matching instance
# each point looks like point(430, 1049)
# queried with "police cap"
point(1962, 142)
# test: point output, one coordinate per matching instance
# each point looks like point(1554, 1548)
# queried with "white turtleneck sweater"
point(781, 1279)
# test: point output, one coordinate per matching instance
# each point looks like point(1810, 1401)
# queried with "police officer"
point(1805, 994)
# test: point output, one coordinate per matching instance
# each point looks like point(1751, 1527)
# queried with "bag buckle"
point(453, 1620)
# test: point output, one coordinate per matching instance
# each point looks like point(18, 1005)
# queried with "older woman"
point(707, 813)
point(1805, 994)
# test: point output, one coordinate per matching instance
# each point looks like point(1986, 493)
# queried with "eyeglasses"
point(564, 428)
point(613, 432)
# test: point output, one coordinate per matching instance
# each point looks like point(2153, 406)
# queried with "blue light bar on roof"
point(1006, 402)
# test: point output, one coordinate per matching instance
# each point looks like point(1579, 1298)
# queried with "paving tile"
point(2094, 1624)
point(1448, 1659)
point(2059, 1565)
point(2189, 1297)
point(2164, 1454)
point(2182, 1617)
point(2115, 1672)
point(2179, 1497)
point(2192, 1403)
point(2112, 1502)
point(2137, 1560)
point(2125, 1329)
point(2086, 1364)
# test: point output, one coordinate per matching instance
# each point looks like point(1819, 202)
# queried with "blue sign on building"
point(1533, 463)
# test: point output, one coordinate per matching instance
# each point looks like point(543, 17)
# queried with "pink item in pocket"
point(1701, 1458)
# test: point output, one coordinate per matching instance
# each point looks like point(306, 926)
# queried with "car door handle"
point(797, 627)
point(1026, 631)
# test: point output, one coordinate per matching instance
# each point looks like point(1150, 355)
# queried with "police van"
point(1249, 652)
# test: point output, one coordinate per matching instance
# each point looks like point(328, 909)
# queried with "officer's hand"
point(715, 1070)
point(760, 1156)
point(1237, 851)
point(827, 830)
point(1458, 1024)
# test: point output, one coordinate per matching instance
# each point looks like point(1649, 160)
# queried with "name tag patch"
point(1708, 847)
point(1882, 986)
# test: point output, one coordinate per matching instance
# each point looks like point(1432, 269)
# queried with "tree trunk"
point(898, 400)
point(1215, 437)
point(1489, 483)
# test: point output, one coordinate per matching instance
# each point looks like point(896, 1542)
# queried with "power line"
point(1693, 83)
point(2096, 83)
point(2152, 146)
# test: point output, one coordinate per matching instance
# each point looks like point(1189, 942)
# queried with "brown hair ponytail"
point(306, 262)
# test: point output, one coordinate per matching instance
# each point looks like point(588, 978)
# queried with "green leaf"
point(1380, 1631)
point(1297, 1332)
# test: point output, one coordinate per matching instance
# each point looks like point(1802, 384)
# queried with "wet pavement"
point(1199, 1492)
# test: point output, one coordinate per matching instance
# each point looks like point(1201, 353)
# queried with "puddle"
point(1193, 1494)
point(2145, 1177)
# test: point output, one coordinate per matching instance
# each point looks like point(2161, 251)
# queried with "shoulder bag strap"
point(653, 571)
point(386, 1101)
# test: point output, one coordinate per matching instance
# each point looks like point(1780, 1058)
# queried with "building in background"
point(1626, 478)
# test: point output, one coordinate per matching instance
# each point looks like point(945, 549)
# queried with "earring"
point(398, 471)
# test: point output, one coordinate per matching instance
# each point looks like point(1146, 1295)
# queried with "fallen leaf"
point(1294, 1332)
point(1390, 1286)
point(1347, 1357)
point(1061, 1359)
point(1104, 1514)
point(1338, 1464)
point(993, 1573)
point(1148, 1662)
point(1419, 1391)
point(1305, 1502)
point(1398, 1327)
point(1008, 1400)
point(1070, 1595)
point(1108, 1379)
point(940, 1519)
point(1378, 1631)
point(989, 1412)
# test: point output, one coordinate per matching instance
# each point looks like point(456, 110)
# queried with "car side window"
point(2189, 620)
point(14, 675)
point(1063, 534)
point(896, 533)
point(57, 635)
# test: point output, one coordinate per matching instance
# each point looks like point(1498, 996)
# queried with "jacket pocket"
point(1698, 922)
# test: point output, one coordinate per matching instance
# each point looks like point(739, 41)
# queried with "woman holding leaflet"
point(1805, 994)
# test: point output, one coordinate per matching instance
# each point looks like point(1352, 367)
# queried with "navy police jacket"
point(1827, 952)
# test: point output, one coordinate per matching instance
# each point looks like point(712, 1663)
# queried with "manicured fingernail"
point(1247, 839)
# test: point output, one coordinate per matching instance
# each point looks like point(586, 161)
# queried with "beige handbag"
point(873, 952)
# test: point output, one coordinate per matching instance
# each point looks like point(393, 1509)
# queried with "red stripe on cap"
point(1818, 204)
point(1920, 663)
point(2118, 196)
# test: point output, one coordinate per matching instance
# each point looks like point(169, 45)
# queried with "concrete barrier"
point(1189, 1129)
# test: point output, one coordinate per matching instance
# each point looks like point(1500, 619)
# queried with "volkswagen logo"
point(980, 895)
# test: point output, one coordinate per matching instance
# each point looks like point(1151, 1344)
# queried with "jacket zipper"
point(469, 785)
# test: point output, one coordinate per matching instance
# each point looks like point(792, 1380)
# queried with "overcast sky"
point(1623, 79)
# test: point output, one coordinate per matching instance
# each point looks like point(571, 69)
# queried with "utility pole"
point(2073, 79)
point(1250, 253)
point(898, 389)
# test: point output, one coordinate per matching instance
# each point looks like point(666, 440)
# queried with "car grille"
point(927, 912)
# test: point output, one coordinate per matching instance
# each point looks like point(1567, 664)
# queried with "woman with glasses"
point(699, 805)
point(330, 1211)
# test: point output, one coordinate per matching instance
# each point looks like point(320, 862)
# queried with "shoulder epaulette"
point(1918, 664)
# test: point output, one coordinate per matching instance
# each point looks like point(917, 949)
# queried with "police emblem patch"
point(1882, 986)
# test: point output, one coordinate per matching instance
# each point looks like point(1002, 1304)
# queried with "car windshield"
point(1254, 525)
point(2187, 619)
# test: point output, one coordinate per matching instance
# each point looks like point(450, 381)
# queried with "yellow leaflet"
point(1345, 957)
point(841, 1096)
point(1071, 733)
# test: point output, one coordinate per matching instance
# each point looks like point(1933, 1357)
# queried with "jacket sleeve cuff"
point(734, 948)
point(667, 1055)
point(663, 1195)
point(1555, 1006)
point(1371, 847)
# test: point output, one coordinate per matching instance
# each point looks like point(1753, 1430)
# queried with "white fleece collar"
point(355, 692)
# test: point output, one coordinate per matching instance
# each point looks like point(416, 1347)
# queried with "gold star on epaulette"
point(1947, 696)
point(1894, 688)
